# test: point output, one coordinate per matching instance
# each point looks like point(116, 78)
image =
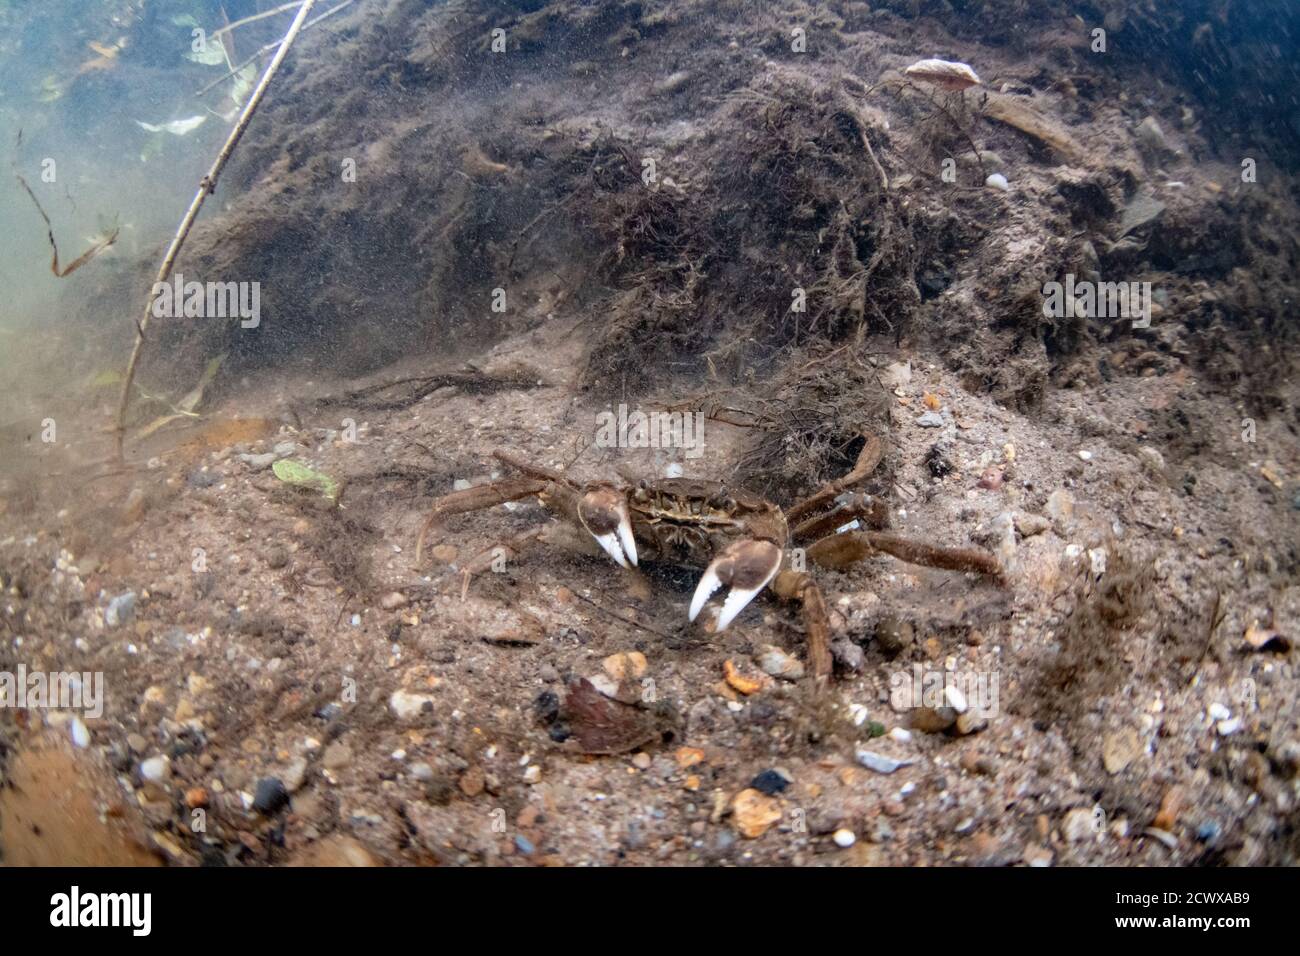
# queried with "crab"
point(742, 541)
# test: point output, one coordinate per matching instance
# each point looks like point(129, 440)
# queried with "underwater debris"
point(176, 127)
point(296, 473)
point(98, 247)
point(1011, 112)
point(944, 74)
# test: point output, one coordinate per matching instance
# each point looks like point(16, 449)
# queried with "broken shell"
point(945, 74)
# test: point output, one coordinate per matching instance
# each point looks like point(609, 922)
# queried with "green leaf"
point(296, 473)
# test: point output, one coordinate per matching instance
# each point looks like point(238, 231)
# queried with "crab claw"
point(603, 512)
point(747, 567)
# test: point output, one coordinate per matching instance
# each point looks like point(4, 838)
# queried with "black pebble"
point(769, 782)
point(270, 796)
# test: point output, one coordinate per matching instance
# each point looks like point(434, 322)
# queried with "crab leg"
point(799, 586)
point(841, 550)
point(476, 499)
point(746, 567)
point(871, 511)
point(510, 550)
point(867, 461)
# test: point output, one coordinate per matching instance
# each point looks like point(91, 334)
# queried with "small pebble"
point(80, 735)
point(844, 839)
point(998, 181)
point(879, 763)
point(155, 769)
point(770, 782)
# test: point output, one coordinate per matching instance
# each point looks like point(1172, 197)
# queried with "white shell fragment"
point(998, 181)
point(878, 762)
point(175, 127)
point(944, 73)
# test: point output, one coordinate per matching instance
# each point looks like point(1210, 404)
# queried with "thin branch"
point(259, 16)
point(207, 186)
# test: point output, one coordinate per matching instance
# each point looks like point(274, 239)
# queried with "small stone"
point(894, 635)
point(80, 735)
point(642, 761)
point(1227, 728)
point(688, 756)
point(627, 665)
point(196, 797)
point(970, 723)
point(1085, 455)
point(1218, 712)
point(473, 781)
point(1037, 856)
point(155, 769)
point(776, 662)
point(848, 656)
point(1029, 525)
point(408, 706)
point(933, 720)
point(844, 838)
point(1119, 749)
point(533, 774)
point(259, 462)
point(770, 782)
point(1152, 461)
point(270, 796)
point(393, 600)
point(1151, 136)
point(754, 813)
point(998, 181)
point(931, 420)
point(1080, 824)
point(880, 763)
point(120, 609)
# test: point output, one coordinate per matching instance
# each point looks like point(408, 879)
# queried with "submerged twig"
point(259, 16)
point(82, 259)
point(207, 186)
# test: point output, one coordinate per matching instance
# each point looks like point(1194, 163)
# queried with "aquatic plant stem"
point(207, 186)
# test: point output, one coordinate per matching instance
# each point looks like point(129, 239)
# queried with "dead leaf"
point(603, 726)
